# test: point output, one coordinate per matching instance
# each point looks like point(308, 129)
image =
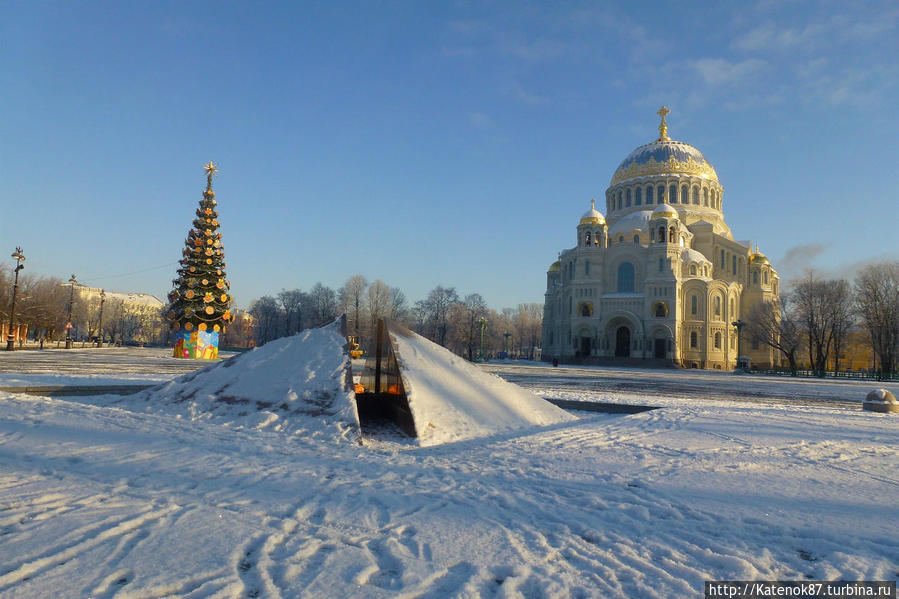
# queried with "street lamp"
point(72, 282)
point(506, 344)
point(483, 322)
point(100, 326)
point(10, 337)
point(738, 324)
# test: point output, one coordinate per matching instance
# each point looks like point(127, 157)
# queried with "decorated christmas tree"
point(199, 303)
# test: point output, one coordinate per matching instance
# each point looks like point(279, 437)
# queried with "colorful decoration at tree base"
point(196, 345)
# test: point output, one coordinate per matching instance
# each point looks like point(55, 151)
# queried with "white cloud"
point(722, 72)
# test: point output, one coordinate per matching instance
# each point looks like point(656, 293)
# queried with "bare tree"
point(877, 299)
point(465, 317)
point(323, 304)
point(399, 306)
point(528, 320)
point(817, 306)
point(293, 303)
point(438, 304)
point(377, 304)
point(267, 317)
point(351, 299)
point(775, 324)
point(842, 308)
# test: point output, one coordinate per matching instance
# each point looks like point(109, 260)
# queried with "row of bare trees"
point(455, 322)
point(42, 303)
point(818, 315)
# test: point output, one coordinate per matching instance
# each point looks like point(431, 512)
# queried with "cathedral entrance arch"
point(585, 346)
point(623, 342)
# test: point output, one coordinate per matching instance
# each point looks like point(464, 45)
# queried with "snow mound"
point(293, 384)
point(452, 400)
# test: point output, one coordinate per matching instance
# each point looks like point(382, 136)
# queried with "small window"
point(636, 239)
point(672, 194)
point(626, 278)
point(717, 340)
point(588, 238)
point(766, 276)
point(705, 201)
point(693, 269)
point(694, 302)
point(661, 264)
point(696, 195)
point(627, 201)
point(684, 195)
point(735, 264)
point(693, 339)
point(733, 312)
point(661, 234)
point(619, 201)
point(672, 234)
point(755, 277)
point(586, 268)
point(649, 195)
point(661, 310)
point(661, 194)
point(722, 258)
point(621, 239)
point(717, 305)
point(638, 196)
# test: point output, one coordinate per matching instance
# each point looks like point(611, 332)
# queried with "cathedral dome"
point(758, 257)
point(555, 266)
point(664, 156)
point(593, 216)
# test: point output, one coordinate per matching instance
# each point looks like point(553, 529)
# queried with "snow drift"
point(292, 384)
point(451, 399)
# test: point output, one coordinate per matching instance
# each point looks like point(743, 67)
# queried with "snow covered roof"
point(632, 222)
point(300, 382)
point(452, 399)
point(691, 255)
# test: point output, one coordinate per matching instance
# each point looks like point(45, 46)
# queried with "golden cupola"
point(593, 216)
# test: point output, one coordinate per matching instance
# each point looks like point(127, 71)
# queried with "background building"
point(662, 278)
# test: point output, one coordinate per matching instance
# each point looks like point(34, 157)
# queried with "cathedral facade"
point(660, 279)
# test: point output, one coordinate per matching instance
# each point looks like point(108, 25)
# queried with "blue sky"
point(430, 144)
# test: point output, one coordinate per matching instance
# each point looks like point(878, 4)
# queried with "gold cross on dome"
point(663, 128)
point(592, 204)
point(210, 168)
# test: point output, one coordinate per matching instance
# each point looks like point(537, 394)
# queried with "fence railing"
point(830, 374)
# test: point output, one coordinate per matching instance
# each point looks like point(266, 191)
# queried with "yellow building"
point(661, 278)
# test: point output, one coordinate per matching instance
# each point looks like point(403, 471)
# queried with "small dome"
point(593, 216)
point(664, 211)
point(758, 258)
point(555, 267)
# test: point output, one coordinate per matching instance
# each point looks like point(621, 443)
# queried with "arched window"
point(672, 194)
point(717, 340)
point(661, 264)
point(619, 200)
point(693, 269)
point(661, 310)
point(626, 278)
point(621, 239)
point(693, 339)
point(696, 195)
point(672, 234)
point(734, 261)
point(755, 277)
point(586, 309)
point(588, 238)
point(684, 195)
point(705, 193)
point(638, 196)
point(662, 234)
point(766, 276)
point(649, 195)
point(571, 270)
point(732, 313)
point(636, 239)
point(586, 268)
point(683, 241)
point(661, 194)
point(694, 303)
point(718, 305)
point(627, 196)
point(596, 238)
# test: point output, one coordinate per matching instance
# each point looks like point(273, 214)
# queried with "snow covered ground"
point(98, 498)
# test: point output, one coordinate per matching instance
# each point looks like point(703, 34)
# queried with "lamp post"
point(72, 282)
point(483, 322)
point(506, 344)
point(738, 324)
point(100, 325)
point(10, 338)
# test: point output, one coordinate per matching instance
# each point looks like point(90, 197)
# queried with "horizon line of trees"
point(817, 319)
point(443, 316)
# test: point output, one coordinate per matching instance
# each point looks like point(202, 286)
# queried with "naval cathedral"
point(660, 278)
